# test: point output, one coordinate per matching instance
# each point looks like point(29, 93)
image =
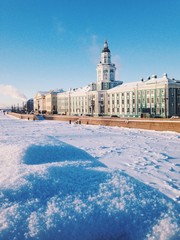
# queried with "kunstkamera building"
point(152, 97)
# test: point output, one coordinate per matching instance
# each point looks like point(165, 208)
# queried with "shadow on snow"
point(83, 201)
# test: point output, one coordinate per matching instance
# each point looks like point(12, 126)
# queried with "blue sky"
point(57, 44)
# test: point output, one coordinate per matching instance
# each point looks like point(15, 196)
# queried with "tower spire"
point(106, 48)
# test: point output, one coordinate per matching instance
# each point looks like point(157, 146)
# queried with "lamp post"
point(69, 105)
point(92, 105)
point(38, 106)
point(166, 101)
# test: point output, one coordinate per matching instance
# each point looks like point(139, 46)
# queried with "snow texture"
point(75, 182)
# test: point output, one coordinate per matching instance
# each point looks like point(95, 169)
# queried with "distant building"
point(29, 106)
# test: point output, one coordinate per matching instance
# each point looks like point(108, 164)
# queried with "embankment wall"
point(149, 124)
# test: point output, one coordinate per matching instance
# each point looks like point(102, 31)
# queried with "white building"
point(154, 97)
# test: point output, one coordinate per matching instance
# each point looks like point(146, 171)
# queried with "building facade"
point(46, 102)
point(40, 102)
point(154, 97)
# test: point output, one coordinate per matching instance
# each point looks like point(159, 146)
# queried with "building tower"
point(106, 70)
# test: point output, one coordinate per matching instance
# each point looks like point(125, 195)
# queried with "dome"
point(105, 49)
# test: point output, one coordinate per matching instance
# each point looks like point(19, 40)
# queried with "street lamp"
point(38, 106)
point(92, 106)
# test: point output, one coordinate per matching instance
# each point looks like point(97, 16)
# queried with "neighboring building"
point(40, 102)
point(51, 101)
point(46, 102)
point(81, 101)
point(154, 97)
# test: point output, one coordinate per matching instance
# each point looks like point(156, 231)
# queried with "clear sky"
point(50, 44)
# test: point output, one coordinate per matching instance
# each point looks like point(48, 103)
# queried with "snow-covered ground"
point(68, 181)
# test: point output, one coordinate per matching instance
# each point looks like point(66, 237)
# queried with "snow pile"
point(51, 189)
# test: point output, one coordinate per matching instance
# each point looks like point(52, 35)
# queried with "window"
point(128, 110)
point(133, 101)
point(117, 101)
point(123, 110)
point(117, 109)
point(152, 100)
point(158, 110)
point(178, 91)
point(127, 101)
point(147, 100)
point(178, 99)
point(133, 110)
point(122, 101)
point(112, 101)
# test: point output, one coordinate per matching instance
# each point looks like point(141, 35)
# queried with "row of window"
point(143, 100)
point(157, 110)
point(159, 92)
